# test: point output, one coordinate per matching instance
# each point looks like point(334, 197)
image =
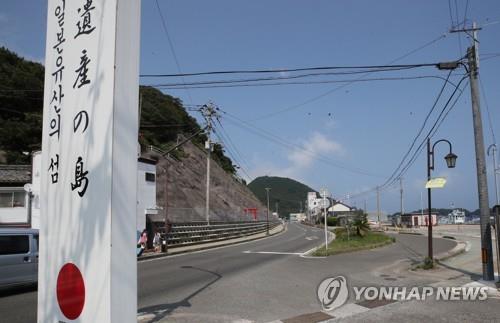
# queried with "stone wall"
point(185, 197)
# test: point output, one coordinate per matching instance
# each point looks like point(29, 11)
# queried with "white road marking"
point(274, 252)
point(347, 310)
point(311, 238)
point(467, 246)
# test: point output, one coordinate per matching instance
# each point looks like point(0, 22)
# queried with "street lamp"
point(267, 214)
point(451, 160)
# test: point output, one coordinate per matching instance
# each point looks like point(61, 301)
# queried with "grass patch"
point(341, 244)
point(426, 264)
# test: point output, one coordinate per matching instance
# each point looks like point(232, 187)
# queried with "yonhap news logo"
point(333, 292)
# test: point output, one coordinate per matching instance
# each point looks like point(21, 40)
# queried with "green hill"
point(163, 117)
point(287, 192)
point(21, 101)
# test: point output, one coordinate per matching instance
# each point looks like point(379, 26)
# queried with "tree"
point(360, 223)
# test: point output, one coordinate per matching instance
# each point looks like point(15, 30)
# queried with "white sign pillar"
point(88, 265)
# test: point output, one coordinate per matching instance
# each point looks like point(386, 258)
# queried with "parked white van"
point(18, 256)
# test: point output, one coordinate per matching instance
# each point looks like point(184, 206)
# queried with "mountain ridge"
point(286, 194)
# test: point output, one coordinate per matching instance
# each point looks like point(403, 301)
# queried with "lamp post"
point(451, 160)
point(267, 214)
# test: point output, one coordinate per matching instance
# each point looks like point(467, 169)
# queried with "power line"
point(420, 130)
point(433, 129)
point(324, 94)
point(164, 24)
point(290, 70)
point(285, 77)
point(230, 85)
point(224, 132)
point(419, 149)
point(163, 125)
point(465, 14)
point(20, 90)
point(490, 124)
point(280, 141)
point(229, 150)
point(451, 14)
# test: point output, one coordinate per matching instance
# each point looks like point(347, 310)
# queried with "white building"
point(456, 217)
point(339, 207)
point(13, 197)
point(14, 200)
point(314, 206)
point(297, 217)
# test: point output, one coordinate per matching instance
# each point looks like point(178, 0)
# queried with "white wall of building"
point(146, 193)
point(146, 196)
point(339, 207)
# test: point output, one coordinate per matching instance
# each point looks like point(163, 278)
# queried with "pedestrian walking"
point(157, 241)
point(142, 242)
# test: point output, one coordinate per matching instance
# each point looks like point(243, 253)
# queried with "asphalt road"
point(260, 281)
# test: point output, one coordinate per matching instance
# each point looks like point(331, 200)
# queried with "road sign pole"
point(323, 193)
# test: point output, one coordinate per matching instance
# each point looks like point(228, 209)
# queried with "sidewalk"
point(210, 245)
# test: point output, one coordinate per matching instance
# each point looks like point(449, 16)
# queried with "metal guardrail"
point(186, 234)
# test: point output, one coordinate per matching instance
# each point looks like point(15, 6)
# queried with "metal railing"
point(193, 233)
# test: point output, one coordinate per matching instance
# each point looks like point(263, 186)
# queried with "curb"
point(411, 232)
point(458, 249)
point(229, 243)
point(308, 253)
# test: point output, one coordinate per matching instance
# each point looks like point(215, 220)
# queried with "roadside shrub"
point(331, 221)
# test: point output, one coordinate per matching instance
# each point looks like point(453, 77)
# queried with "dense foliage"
point(21, 101)
point(288, 193)
point(163, 117)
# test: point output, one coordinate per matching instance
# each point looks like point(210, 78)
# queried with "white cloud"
point(315, 145)
point(300, 160)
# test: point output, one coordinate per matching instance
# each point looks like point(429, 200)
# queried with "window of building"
point(16, 244)
point(12, 198)
point(150, 177)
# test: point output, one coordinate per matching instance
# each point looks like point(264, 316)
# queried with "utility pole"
point(401, 198)
point(482, 184)
point(366, 211)
point(267, 214)
point(378, 207)
point(208, 113)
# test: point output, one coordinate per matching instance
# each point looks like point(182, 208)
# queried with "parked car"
point(18, 256)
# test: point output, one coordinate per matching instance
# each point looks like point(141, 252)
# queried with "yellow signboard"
point(437, 182)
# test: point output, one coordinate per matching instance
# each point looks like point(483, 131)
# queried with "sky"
point(346, 139)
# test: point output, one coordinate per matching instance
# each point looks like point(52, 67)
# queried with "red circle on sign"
point(70, 291)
